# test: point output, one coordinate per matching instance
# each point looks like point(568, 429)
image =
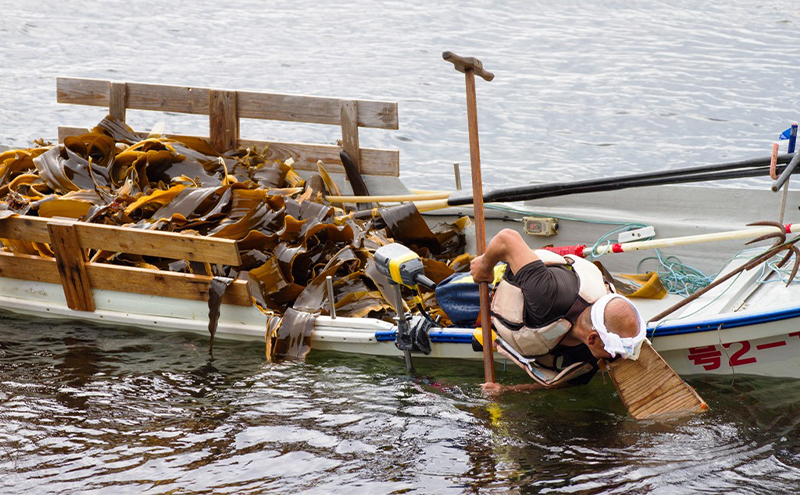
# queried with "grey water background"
point(582, 89)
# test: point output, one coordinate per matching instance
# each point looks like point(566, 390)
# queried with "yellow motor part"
point(396, 263)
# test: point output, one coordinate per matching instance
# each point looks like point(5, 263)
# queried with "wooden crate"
point(70, 240)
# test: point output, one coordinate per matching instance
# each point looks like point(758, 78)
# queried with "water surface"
point(92, 409)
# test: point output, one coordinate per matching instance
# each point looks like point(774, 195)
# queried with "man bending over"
point(555, 316)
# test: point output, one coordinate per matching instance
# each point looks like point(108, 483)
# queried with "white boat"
point(748, 325)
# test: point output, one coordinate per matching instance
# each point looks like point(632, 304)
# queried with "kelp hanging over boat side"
point(290, 238)
point(215, 293)
point(292, 339)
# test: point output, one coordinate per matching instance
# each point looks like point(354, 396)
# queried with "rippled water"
point(86, 409)
point(582, 89)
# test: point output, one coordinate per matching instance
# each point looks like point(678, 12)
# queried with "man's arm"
point(507, 246)
point(494, 388)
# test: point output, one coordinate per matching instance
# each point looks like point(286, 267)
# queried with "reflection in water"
point(98, 408)
point(79, 364)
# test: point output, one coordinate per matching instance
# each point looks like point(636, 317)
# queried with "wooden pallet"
point(225, 108)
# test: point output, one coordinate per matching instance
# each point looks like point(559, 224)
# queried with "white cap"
point(625, 347)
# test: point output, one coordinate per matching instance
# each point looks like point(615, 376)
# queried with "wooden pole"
point(480, 222)
point(469, 66)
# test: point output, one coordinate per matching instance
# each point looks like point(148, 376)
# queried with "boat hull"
point(766, 344)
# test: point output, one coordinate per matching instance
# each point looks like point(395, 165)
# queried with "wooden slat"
point(71, 261)
point(350, 131)
point(649, 387)
point(129, 240)
point(117, 100)
point(268, 106)
point(161, 244)
point(25, 228)
point(124, 279)
point(373, 161)
point(94, 92)
point(163, 284)
point(223, 120)
point(25, 267)
point(315, 110)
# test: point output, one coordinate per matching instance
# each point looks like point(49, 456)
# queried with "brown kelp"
point(290, 238)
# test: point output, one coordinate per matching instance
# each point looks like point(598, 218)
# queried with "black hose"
point(626, 184)
point(427, 316)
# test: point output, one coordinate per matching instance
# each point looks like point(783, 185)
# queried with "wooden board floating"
point(649, 387)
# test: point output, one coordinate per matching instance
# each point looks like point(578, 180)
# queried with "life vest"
point(508, 307)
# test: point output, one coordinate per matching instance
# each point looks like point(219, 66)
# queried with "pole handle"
point(787, 172)
point(464, 64)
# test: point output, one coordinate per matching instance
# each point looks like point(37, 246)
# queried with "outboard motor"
point(403, 266)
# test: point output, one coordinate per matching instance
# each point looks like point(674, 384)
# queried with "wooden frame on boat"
point(69, 240)
point(225, 108)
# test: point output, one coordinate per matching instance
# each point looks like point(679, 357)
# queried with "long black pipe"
point(547, 192)
point(690, 174)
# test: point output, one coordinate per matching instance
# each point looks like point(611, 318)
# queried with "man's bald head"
point(621, 318)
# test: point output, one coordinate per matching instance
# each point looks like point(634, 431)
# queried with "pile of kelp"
point(289, 236)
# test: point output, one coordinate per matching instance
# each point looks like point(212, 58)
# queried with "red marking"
point(736, 359)
point(771, 345)
point(616, 248)
point(789, 228)
point(708, 357)
point(577, 250)
point(794, 334)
